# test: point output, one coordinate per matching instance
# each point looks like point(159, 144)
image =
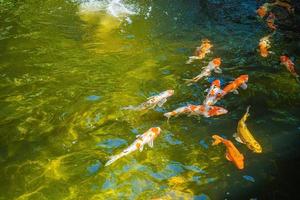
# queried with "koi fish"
point(213, 65)
point(264, 46)
point(201, 51)
point(290, 66)
point(234, 85)
point(146, 138)
point(271, 21)
point(244, 136)
point(285, 5)
point(264, 9)
point(206, 111)
point(213, 92)
point(157, 100)
point(232, 153)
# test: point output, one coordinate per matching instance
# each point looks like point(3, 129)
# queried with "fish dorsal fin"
point(237, 138)
point(227, 156)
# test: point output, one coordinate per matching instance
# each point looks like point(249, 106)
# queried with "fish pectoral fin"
point(235, 92)
point(244, 86)
point(137, 136)
point(237, 138)
point(150, 143)
point(141, 148)
point(228, 157)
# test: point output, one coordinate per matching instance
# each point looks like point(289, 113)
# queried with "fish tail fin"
point(189, 82)
point(247, 111)
point(113, 159)
point(217, 140)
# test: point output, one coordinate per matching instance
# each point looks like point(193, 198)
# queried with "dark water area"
point(68, 67)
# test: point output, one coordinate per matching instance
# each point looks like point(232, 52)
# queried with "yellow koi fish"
point(244, 136)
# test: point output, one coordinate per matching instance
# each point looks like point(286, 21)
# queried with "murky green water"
point(65, 75)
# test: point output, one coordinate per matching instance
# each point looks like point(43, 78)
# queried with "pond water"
point(68, 67)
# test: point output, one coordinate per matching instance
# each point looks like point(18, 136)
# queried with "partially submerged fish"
point(213, 65)
point(157, 100)
point(290, 66)
point(244, 136)
point(206, 111)
point(201, 51)
point(232, 153)
point(213, 92)
point(271, 21)
point(146, 138)
point(264, 46)
point(240, 81)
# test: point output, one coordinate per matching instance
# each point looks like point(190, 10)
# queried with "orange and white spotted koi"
point(201, 51)
point(240, 81)
point(146, 138)
point(213, 92)
point(264, 9)
point(264, 46)
point(290, 66)
point(213, 65)
point(157, 100)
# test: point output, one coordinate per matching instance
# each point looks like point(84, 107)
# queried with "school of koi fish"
point(214, 94)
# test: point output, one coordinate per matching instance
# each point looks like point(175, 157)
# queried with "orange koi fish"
point(213, 92)
point(232, 153)
point(264, 46)
point(271, 21)
point(146, 138)
point(264, 9)
point(285, 5)
point(240, 81)
point(213, 65)
point(290, 66)
point(201, 51)
point(157, 100)
point(206, 111)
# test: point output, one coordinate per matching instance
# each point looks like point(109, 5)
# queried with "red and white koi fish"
point(240, 81)
point(206, 111)
point(146, 138)
point(271, 21)
point(201, 51)
point(213, 65)
point(290, 66)
point(264, 46)
point(158, 100)
point(232, 153)
point(213, 92)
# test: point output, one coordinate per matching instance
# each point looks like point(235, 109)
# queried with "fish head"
point(261, 11)
point(217, 62)
point(216, 110)
point(170, 92)
point(284, 58)
point(244, 78)
point(156, 130)
point(216, 83)
point(240, 163)
point(255, 147)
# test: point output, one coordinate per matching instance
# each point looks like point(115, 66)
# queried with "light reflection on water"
point(65, 75)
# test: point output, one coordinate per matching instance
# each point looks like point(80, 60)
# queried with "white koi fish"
point(158, 100)
point(213, 65)
point(146, 138)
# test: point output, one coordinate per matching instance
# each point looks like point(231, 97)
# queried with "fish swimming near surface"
point(285, 5)
point(146, 138)
point(213, 92)
point(240, 81)
point(264, 9)
point(213, 65)
point(264, 46)
point(290, 66)
point(203, 110)
point(244, 136)
point(232, 153)
point(201, 51)
point(271, 21)
point(157, 100)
